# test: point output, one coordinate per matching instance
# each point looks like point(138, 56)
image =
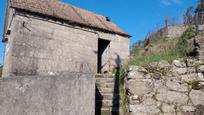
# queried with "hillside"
point(164, 48)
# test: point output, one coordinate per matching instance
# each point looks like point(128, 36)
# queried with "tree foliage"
point(136, 46)
point(189, 15)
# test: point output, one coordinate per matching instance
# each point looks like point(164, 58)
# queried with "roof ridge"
point(66, 11)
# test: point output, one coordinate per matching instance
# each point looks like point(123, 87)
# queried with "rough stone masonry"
point(166, 89)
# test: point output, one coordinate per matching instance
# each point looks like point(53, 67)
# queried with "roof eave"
point(73, 22)
point(6, 21)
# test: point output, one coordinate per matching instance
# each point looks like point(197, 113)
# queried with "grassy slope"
point(164, 49)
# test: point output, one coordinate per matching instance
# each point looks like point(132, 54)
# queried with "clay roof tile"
point(68, 12)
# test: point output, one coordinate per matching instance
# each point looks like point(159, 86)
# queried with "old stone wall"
point(166, 89)
point(175, 31)
point(65, 94)
point(39, 46)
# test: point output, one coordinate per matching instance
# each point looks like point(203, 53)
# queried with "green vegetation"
point(195, 84)
point(153, 58)
point(182, 45)
point(168, 50)
point(189, 15)
point(121, 74)
point(124, 102)
point(200, 6)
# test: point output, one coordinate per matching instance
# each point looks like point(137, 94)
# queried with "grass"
point(168, 56)
point(123, 98)
point(173, 49)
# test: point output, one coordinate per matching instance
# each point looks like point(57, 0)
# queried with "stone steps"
point(109, 111)
point(107, 95)
point(108, 90)
point(104, 76)
point(109, 103)
point(105, 80)
point(106, 85)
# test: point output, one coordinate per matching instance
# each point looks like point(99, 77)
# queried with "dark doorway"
point(103, 46)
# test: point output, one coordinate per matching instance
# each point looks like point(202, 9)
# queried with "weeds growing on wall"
point(121, 73)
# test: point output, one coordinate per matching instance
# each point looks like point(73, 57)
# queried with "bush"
point(121, 73)
point(189, 33)
point(182, 45)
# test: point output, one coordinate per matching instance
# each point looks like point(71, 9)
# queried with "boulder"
point(147, 76)
point(197, 97)
point(166, 108)
point(149, 101)
point(200, 69)
point(140, 87)
point(137, 68)
point(189, 77)
point(177, 98)
point(135, 74)
point(135, 99)
point(179, 64)
point(163, 64)
point(188, 108)
point(132, 68)
point(176, 85)
point(200, 76)
point(190, 62)
point(178, 71)
point(159, 84)
point(144, 109)
point(156, 76)
point(153, 64)
point(172, 97)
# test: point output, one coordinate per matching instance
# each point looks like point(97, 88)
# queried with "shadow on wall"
point(98, 104)
point(116, 93)
point(113, 97)
point(1, 70)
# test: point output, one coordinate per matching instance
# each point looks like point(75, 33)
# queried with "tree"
point(188, 16)
point(136, 46)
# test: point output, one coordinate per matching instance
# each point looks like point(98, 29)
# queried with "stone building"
point(47, 37)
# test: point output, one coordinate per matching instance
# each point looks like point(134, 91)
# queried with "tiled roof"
point(67, 12)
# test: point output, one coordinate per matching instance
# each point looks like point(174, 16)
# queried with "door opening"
point(103, 54)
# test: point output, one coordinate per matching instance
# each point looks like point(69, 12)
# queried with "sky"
point(136, 17)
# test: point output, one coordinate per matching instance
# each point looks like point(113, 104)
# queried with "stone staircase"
point(107, 95)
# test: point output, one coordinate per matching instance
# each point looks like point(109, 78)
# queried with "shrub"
point(182, 45)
